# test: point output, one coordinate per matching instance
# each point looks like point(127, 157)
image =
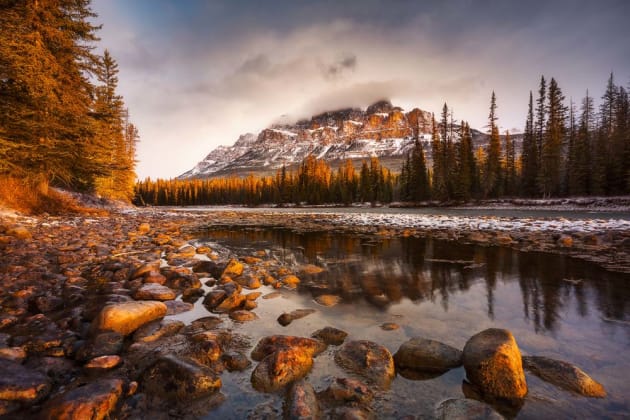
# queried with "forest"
point(566, 151)
point(62, 122)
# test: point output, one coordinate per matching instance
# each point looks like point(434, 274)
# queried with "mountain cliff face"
point(381, 130)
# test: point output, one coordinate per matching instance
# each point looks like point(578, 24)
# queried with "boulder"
point(281, 368)
point(18, 383)
point(427, 355)
point(179, 380)
point(493, 364)
point(330, 335)
point(127, 317)
point(564, 375)
point(301, 401)
point(154, 291)
point(96, 401)
point(273, 343)
point(234, 268)
point(367, 359)
point(466, 409)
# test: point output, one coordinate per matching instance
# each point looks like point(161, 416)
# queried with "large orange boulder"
point(493, 364)
point(126, 317)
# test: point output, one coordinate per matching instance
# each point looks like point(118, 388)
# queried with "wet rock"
point(291, 281)
point(214, 298)
point(243, 316)
point(235, 361)
point(273, 343)
point(367, 359)
point(328, 300)
point(286, 318)
point(330, 335)
point(59, 370)
point(206, 351)
point(19, 232)
point(127, 317)
point(48, 303)
point(206, 323)
point(214, 268)
point(105, 343)
point(466, 409)
point(427, 355)
point(232, 302)
point(352, 413)
point(281, 368)
point(18, 383)
point(349, 390)
point(390, 326)
point(144, 228)
point(154, 291)
point(493, 364)
point(154, 277)
point(174, 307)
point(564, 375)
point(96, 400)
point(249, 281)
point(15, 354)
point(104, 362)
point(146, 269)
point(178, 380)
point(301, 401)
point(251, 260)
point(234, 268)
point(155, 330)
point(192, 294)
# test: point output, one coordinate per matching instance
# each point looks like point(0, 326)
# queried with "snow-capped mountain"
point(381, 130)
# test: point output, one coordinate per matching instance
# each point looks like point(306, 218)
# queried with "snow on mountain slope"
point(381, 130)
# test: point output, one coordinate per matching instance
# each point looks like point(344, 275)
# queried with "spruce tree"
point(550, 175)
point(492, 181)
point(529, 153)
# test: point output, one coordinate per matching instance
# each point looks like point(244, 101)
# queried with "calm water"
point(555, 306)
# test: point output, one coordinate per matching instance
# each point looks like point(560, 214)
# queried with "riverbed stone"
point(18, 383)
point(154, 291)
point(328, 300)
point(301, 401)
point(427, 355)
point(179, 380)
point(350, 390)
point(234, 268)
point(15, 354)
point(157, 329)
point(281, 368)
point(564, 375)
point(368, 359)
point(273, 343)
point(465, 409)
point(174, 307)
point(288, 317)
point(127, 317)
point(235, 361)
point(243, 315)
point(493, 364)
point(103, 362)
point(330, 335)
point(102, 344)
point(96, 400)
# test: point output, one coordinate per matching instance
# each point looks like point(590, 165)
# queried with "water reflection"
point(385, 271)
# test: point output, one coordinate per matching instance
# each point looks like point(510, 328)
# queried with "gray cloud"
point(347, 62)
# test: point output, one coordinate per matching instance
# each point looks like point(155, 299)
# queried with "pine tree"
point(466, 170)
point(550, 177)
point(530, 153)
point(437, 150)
point(510, 166)
point(418, 179)
point(541, 115)
point(493, 176)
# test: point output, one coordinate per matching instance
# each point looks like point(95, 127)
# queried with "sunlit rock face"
point(381, 130)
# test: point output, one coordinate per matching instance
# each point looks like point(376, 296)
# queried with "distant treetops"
point(564, 152)
point(61, 120)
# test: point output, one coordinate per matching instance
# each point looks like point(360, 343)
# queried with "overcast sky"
point(196, 74)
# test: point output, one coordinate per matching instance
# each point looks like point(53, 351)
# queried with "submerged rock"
point(330, 335)
point(328, 300)
point(154, 291)
point(286, 318)
point(465, 409)
point(281, 368)
point(127, 317)
point(179, 380)
point(301, 401)
point(96, 400)
point(564, 375)
point(427, 355)
point(243, 316)
point(493, 364)
point(18, 383)
point(346, 389)
point(367, 359)
point(155, 330)
point(273, 343)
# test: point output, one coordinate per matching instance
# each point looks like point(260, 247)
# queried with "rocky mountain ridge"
point(381, 130)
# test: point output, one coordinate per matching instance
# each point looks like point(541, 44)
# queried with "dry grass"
point(29, 199)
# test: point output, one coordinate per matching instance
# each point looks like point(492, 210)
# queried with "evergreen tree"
point(439, 188)
point(493, 176)
point(466, 167)
point(510, 166)
point(550, 178)
point(541, 114)
point(530, 153)
point(419, 182)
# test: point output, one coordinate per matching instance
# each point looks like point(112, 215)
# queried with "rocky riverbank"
point(86, 328)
